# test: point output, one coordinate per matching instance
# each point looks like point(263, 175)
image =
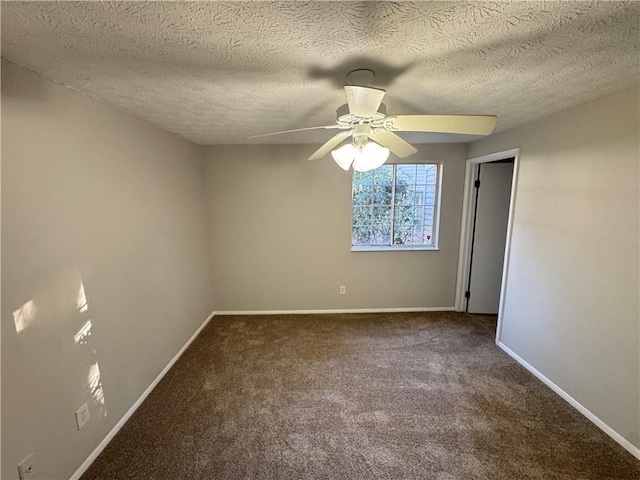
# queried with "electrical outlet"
point(26, 468)
point(343, 290)
point(82, 416)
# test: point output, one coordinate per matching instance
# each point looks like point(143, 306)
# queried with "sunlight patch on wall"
point(85, 331)
point(83, 338)
point(81, 299)
point(25, 316)
point(95, 385)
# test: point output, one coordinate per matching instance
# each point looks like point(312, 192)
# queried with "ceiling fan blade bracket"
point(345, 117)
point(387, 124)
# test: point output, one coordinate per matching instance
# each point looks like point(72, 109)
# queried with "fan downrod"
point(362, 77)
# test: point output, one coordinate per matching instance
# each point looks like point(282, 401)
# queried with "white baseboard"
point(87, 463)
point(337, 310)
point(632, 449)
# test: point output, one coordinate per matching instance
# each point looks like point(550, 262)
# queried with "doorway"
point(488, 205)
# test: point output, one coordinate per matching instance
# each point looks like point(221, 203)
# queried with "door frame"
point(466, 229)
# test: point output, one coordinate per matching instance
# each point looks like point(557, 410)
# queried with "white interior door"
point(490, 233)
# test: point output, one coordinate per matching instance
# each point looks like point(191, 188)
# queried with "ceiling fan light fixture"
point(370, 157)
point(345, 155)
point(364, 117)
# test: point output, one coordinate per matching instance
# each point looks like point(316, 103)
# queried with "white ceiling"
point(216, 73)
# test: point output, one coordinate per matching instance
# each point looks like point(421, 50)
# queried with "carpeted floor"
point(367, 396)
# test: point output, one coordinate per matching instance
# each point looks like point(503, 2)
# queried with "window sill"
point(393, 249)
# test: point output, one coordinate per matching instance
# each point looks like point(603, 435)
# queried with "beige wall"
point(92, 199)
point(101, 206)
point(282, 235)
point(572, 308)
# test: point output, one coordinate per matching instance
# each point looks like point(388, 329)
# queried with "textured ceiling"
point(218, 72)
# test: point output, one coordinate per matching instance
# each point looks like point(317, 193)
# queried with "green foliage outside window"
point(380, 218)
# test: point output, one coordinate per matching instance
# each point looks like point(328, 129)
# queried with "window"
point(396, 207)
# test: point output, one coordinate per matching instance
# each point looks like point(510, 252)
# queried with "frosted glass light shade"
point(370, 157)
point(344, 155)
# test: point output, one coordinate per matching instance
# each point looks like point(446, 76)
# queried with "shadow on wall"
point(30, 87)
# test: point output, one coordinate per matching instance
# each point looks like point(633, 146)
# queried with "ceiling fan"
point(364, 118)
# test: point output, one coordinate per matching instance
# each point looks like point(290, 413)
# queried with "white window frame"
point(436, 216)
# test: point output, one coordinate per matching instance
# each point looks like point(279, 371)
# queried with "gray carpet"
point(384, 396)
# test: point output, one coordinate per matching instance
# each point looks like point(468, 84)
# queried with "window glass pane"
point(404, 215)
point(361, 235)
point(400, 235)
point(381, 226)
point(361, 215)
point(362, 194)
point(382, 194)
point(362, 177)
point(406, 173)
point(421, 174)
point(428, 215)
point(412, 207)
point(432, 172)
point(426, 174)
point(383, 175)
point(381, 215)
point(425, 195)
point(428, 235)
point(416, 236)
point(408, 236)
point(405, 194)
point(382, 234)
point(418, 197)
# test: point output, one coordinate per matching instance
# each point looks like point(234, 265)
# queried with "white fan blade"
point(462, 124)
point(326, 127)
point(393, 142)
point(330, 145)
point(363, 101)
